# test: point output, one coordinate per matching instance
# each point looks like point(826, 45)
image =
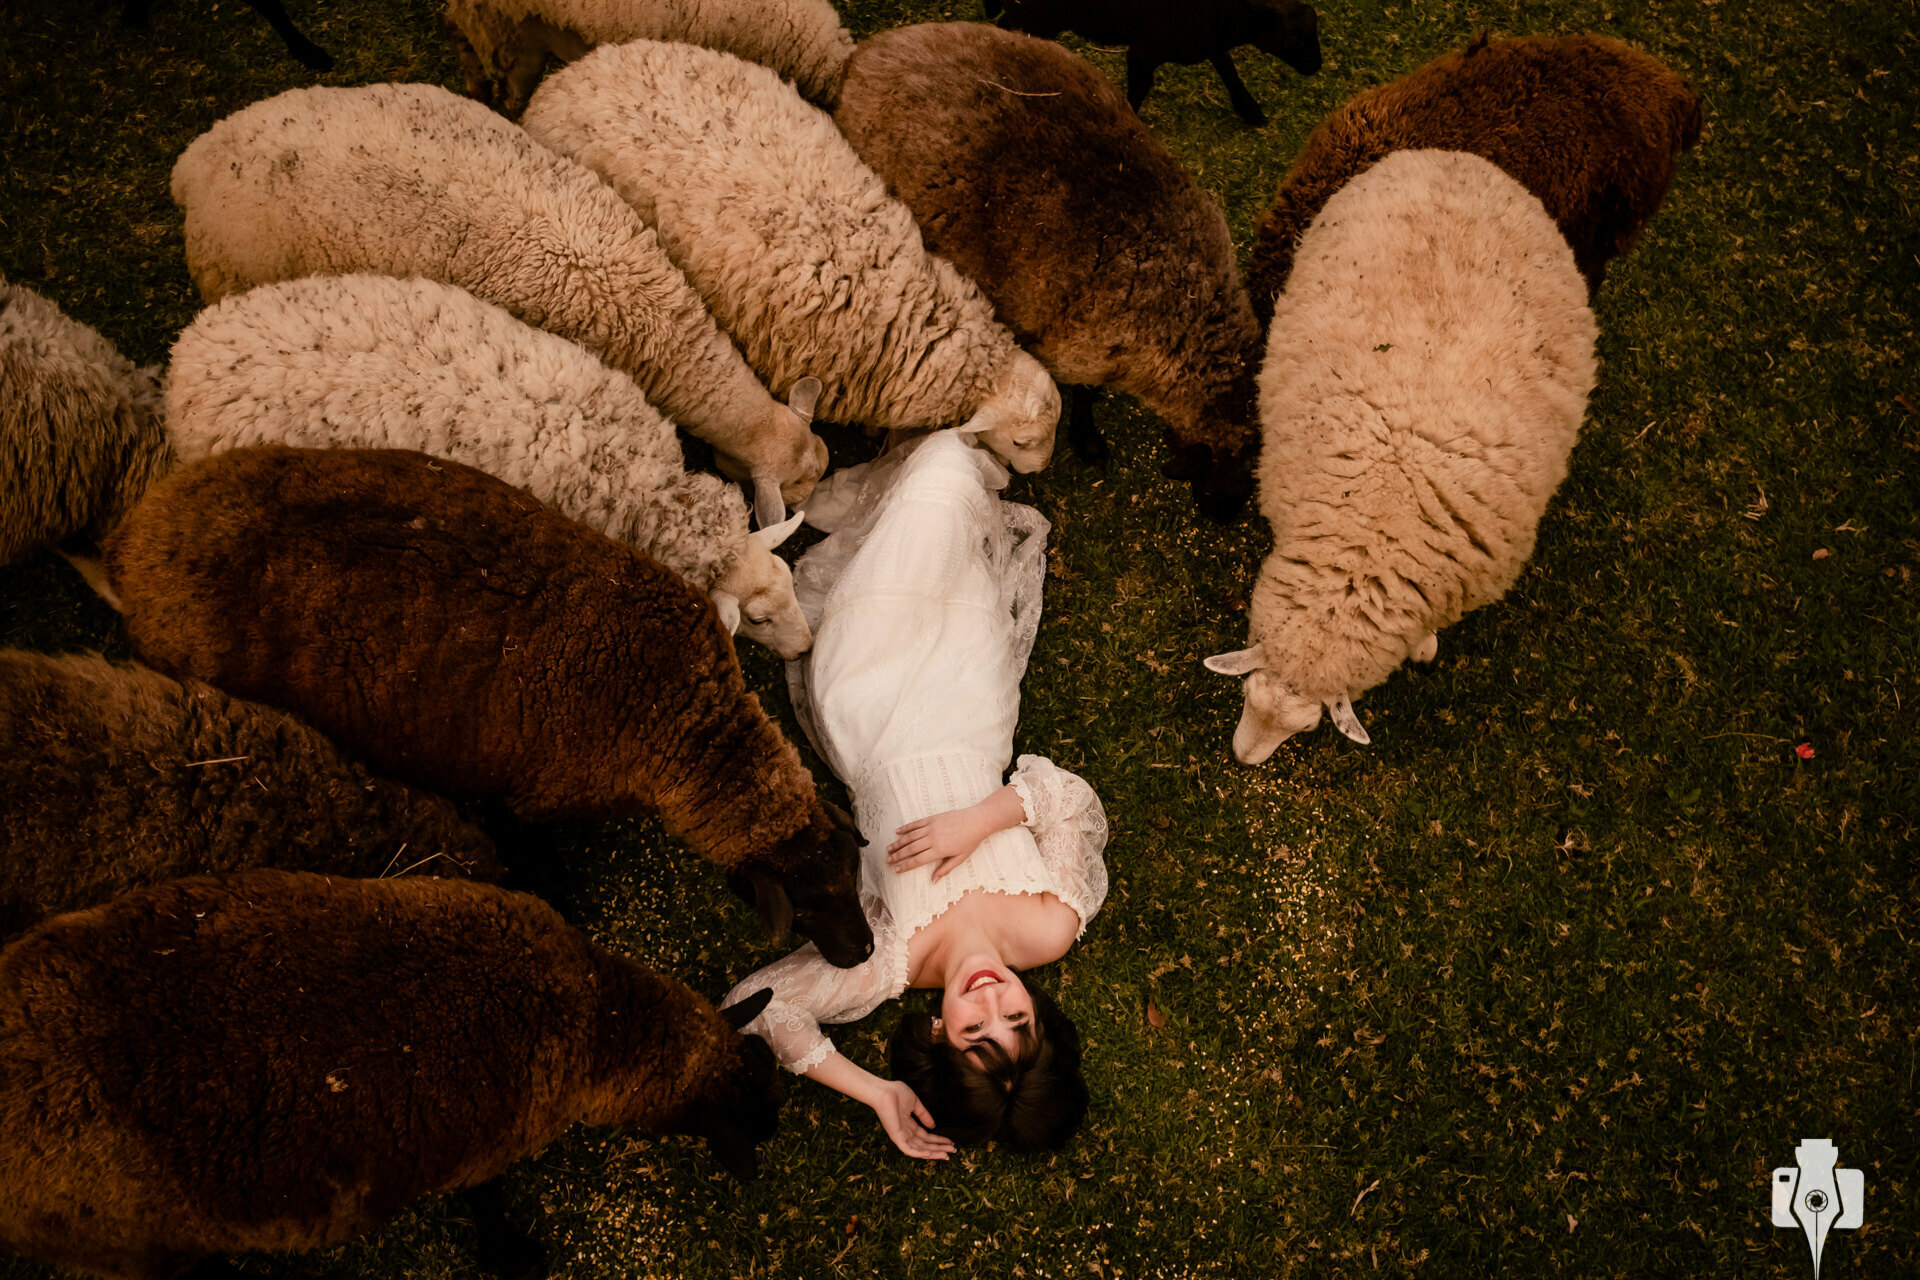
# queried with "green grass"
point(1542, 983)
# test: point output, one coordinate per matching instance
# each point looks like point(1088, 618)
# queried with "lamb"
point(795, 244)
point(1426, 373)
point(80, 430)
point(370, 361)
point(409, 179)
point(503, 44)
point(277, 1061)
point(1157, 32)
point(113, 776)
point(1590, 125)
point(459, 635)
point(1119, 270)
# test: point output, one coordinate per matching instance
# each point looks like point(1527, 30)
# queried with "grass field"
point(1542, 983)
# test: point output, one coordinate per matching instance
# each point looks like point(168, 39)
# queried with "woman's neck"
point(968, 937)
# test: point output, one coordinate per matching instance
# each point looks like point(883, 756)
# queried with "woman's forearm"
point(1000, 811)
point(840, 1073)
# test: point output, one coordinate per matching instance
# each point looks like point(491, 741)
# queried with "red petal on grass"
point(1804, 750)
point(1821, 554)
point(1155, 1018)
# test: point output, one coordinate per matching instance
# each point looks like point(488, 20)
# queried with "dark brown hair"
point(1031, 1101)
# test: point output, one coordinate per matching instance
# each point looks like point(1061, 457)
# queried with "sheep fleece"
point(412, 180)
point(80, 434)
point(372, 362)
point(794, 243)
point(113, 776)
point(459, 634)
point(801, 39)
point(1588, 124)
point(1118, 270)
point(276, 1061)
point(1426, 373)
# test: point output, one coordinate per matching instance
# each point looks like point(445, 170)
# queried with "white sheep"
point(1425, 377)
point(503, 44)
point(409, 179)
point(364, 361)
point(80, 434)
point(795, 244)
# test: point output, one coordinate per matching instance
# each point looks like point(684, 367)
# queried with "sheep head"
point(755, 596)
point(792, 457)
point(741, 1106)
point(810, 884)
point(1274, 711)
point(1017, 422)
point(1288, 31)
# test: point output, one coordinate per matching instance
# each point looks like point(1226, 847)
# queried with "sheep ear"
point(775, 908)
point(769, 508)
point(1428, 649)
point(729, 606)
point(804, 396)
point(739, 1015)
point(771, 536)
point(1237, 663)
point(1341, 709)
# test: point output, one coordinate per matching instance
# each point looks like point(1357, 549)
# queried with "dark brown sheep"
point(273, 1060)
point(1588, 124)
point(459, 635)
point(113, 777)
point(1118, 270)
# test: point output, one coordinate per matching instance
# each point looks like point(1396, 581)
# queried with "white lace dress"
point(924, 602)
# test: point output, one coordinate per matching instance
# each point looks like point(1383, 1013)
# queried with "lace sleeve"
point(1070, 826)
point(808, 991)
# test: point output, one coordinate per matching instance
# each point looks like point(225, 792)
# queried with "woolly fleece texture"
point(503, 44)
point(411, 180)
point(460, 635)
point(1590, 125)
point(271, 1061)
point(80, 433)
point(371, 362)
point(1119, 270)
point(795, 244)
point(1426, 374)
point(113, 777)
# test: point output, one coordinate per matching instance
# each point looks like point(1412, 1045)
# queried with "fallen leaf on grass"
point(1821, 554)
point(1155, 1018)
point(1904, 403)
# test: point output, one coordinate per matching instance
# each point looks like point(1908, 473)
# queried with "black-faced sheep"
point(80, 429)
point(1157, 32)
point(1119, 270)
point(504, 44)
point(456, 633)
point(411, 180)
point(113, 776)
point(1426, 373)
point(795, 244)
point(1590, 125)
point(274, 1061)
point(371, 362)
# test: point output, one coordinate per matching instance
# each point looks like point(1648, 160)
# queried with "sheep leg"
point(304, 51)
point(504, 1249)
point(1140, 68)
point(1083, 433)
point(1237, 90)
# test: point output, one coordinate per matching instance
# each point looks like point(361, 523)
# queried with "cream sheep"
point(371, 362)
point(1426, 373)
point(409, 179)
point(503, 44)
point(795, 244)
point(80, 433)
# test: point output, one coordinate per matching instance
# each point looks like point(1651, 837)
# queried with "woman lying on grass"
point(924, 603)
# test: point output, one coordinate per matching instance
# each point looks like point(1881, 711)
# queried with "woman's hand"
point(949, 839)
point(908, 1122)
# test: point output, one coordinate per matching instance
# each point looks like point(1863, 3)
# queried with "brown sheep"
point(1119, 270)
point(459, 635)
point(1588, 124)
point(276, 1061)
point(113, 777)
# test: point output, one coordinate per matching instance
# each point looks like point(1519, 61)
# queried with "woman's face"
point(984, 1000)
